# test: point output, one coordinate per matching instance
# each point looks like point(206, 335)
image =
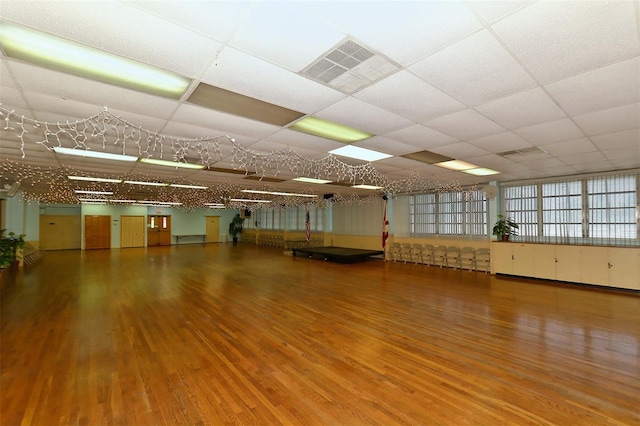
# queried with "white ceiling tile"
point(582, 158)
point(403, 31)
point(399, 163)
point(566, 148)
point(611, 120)
point(285, 33)
point(460, 150)
point(217, 19)
point(522, 109)
point(492, 161)
point(238, 72)
point(91, 92)
point(606, 87)
point(420, 136)
point(556, 39)
point(388, 146)
point(622, 156)
point(543, 163)
point(500, 142)
point(553, 131)
point(475, 125)
point(626, 163)
point(12, 98)
point(408, 96)
point(628, 139)
point(491, 11)
point(484, 70)
point(6, 77)
point(363, 116)
point(303, 140)
point(595, 167)
point(94, 26)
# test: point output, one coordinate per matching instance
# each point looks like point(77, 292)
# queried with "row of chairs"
point(440, 255)
point(275, 240)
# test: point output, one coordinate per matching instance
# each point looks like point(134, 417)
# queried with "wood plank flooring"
point(223, 334)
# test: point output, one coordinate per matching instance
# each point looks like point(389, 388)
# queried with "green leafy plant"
point(235, 227)
point(505, 227)
point(9, 246)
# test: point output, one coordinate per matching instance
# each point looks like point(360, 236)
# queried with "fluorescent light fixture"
point(137, 182)
point(329, 130)
point(177, 185)
point(64, 55)
point(92, 200)
point(78, 191)
point(311, 180)
point(216, 206)
point(94, 154)
point(94, 179)
point(286, 194)
point(122, 201)
point(456, 165)
point(157, 162)
point(481, 171)
point(359, 153)
point(159, 203)
point(246, 200)
point(366, 187)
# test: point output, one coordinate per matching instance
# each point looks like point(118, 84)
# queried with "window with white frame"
point(598, 210)
point(271, 219)
point(451, 213)
point(297, 218)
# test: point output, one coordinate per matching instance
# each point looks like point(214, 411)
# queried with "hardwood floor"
point(223, 334)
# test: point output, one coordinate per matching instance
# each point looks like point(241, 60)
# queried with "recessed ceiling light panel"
point(360, 153)
point(328, 129)
point(311, 180)
point(456, 165)
point(481, 171)
point(94, 154)
point(180, 164)
point(56, 53)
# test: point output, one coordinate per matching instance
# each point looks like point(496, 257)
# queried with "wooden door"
point(97, 232)
point(213, 229)
point(131, 231)
point(158, 230)
point(60, 232)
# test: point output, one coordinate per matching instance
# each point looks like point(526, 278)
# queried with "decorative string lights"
point(107, 132)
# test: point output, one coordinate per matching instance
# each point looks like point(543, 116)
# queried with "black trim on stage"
point(338, 254)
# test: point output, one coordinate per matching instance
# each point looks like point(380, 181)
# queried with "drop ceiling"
point(477, 81)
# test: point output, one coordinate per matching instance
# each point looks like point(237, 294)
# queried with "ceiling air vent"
point(523, 152)
point(349, 66)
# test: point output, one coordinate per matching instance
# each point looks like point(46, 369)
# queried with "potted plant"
point(235, 228)
point(9, 246)
point(505, 227)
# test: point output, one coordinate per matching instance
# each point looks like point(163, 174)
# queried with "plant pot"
point(505, 237)
point(235, 241)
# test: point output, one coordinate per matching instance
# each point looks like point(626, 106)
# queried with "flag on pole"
point(307, 224)
point(385, 226)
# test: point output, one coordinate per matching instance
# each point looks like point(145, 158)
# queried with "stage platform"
point(338, 254)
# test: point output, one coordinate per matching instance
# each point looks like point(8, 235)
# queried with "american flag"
point(307, 225)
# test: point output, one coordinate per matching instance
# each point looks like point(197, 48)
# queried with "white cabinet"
point(606, 266)
point(513, 258)
point(611, 266)
point(555, 262)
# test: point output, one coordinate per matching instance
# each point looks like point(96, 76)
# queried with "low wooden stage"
point(338, 254)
